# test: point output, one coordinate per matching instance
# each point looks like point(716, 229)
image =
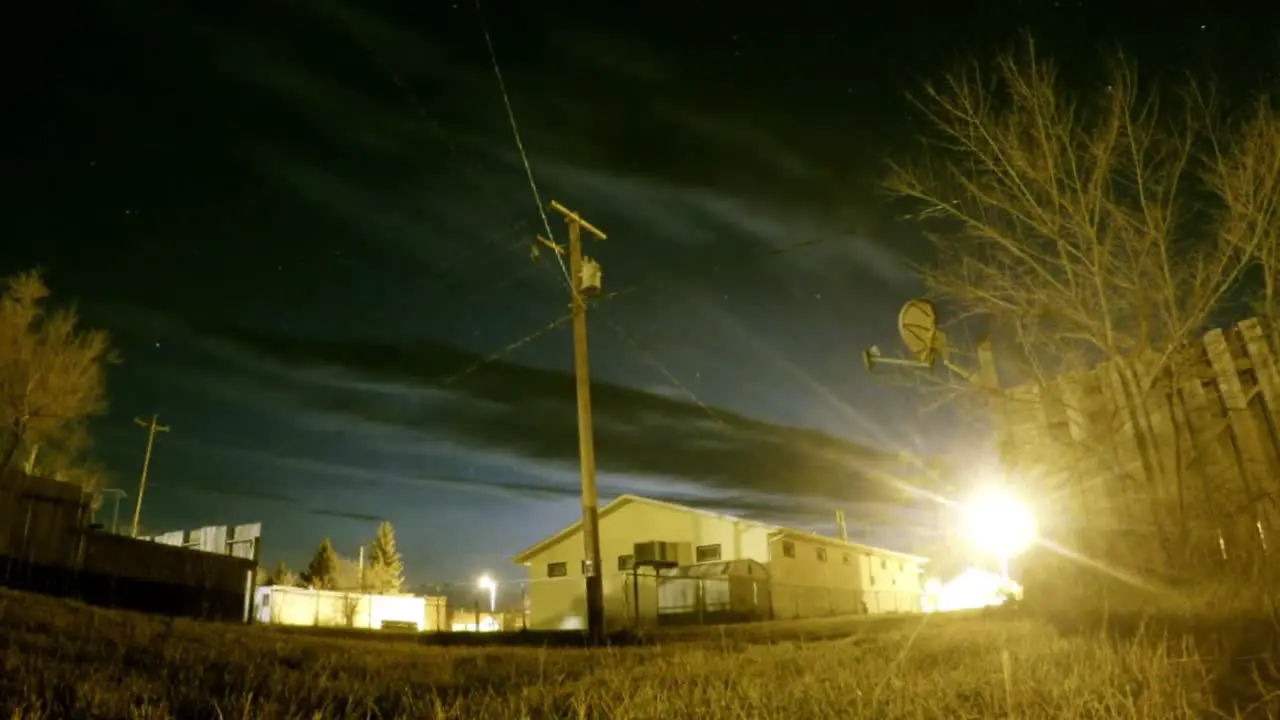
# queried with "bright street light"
point(997, 523)
point(486, 582)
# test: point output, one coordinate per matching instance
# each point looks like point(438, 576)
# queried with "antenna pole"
point(586, 435)
point(360, 569)
point(152, 426)
point(115, 511)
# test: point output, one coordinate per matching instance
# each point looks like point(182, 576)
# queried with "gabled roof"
point(837, 542)
point(526, 555)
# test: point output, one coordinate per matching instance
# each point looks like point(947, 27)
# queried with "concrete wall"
point(437, 610)
point(283, 605)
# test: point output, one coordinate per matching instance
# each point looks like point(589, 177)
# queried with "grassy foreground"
point(65, 660)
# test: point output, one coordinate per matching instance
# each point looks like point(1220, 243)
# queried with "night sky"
point(307, 226)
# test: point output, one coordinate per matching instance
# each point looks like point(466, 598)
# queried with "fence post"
point(1254, 459)
point(1264, 369)
point(635, 591)
point(248, 596)
point(699, 599)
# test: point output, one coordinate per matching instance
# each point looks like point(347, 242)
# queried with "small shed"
point(715, 592)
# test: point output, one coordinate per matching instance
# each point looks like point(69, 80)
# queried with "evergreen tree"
point(322, 571)
point(281, 575)
point(385, 573)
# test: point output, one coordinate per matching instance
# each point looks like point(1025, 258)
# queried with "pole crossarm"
point(573, 218)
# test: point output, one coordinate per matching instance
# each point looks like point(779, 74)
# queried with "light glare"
point(998, 523)
point(972, 589)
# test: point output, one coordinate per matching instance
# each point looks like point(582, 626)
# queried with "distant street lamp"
point(486, 582)
point(998, 523)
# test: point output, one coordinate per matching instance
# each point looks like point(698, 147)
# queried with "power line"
point(435, 126)
point(508, 349)
point(296, 504)
point(661, 281)
point(515, 131)
point(666, 371)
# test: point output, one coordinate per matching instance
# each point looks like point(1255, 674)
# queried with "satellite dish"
point(918, 325)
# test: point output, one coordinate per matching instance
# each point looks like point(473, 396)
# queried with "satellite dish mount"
point(925, 342)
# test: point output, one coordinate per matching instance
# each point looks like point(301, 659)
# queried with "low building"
point(727, 568)
point(287, 605)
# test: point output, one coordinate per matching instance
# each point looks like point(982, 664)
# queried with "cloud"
point(529, 413)
point(710, 185)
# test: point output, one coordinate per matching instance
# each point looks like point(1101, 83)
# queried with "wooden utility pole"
point(581, 279)
point(152, 428)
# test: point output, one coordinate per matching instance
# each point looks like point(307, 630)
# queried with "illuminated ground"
point(63, 660)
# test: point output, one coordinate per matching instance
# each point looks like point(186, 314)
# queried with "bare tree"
point(52, 373)
point(1069, 223)
point(66, 457)
point(348, 575)
point(281, 575)
point(1082, 228)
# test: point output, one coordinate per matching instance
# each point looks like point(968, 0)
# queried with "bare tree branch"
point(1111, 226)
point(52, 379)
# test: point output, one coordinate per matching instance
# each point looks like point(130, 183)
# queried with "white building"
point(728, 568)
point(287, 605)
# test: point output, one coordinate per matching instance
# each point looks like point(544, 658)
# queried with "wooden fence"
point(46, 546)
point(40, 521)
point(1156, 464)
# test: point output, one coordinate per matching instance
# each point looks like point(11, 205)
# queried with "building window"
point(557, 569)
point(788, 549)
point(822, 554)
point(873, 580)
point(708, 553)
point(626, 562)
point(884, 564)
point(848, 559)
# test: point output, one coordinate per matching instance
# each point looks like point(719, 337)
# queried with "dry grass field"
point(65, 660)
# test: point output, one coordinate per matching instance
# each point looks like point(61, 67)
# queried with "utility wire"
point(662, 367)
point(510, 348)
point(418, 107)
point(515, 131)
point(654, 282)
point(537, 198)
